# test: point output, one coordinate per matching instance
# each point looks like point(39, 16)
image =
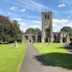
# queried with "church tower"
point(47, 32)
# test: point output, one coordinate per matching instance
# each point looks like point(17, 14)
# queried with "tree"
point(16, 30)
point(33, 31)
point(9, 30)
point(30, 30)
point(37, 31)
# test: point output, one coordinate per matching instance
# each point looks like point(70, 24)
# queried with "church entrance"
point(46, 40)
point(64, 39)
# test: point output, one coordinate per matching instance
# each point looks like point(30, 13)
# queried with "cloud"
point(59, 23)
point(22, 10)
point(31, 5)
point(12, 14)
point(14, 8)
point(18, 19)
point(62, 5)
point(35, 21)
point(25, 23)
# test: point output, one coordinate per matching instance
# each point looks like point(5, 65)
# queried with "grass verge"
point(10, 58)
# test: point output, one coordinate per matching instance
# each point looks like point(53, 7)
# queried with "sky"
point(28, 12)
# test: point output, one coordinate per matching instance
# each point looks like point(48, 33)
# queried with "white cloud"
point(31, 5)
point(14, 8)
point(37, 22)
point(59, 23)
point(25, 25)
point(62, 5)
point(18, 19)
point(22, 10)
point(12, 14)
point(36, 26)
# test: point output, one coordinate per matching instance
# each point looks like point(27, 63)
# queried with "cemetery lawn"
point(54, 54)
point(11, 58)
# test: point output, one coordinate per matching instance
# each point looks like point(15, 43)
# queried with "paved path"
point(30, 64)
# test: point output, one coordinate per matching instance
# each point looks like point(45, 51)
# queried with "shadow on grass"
point(56, 59)
point(68, 47)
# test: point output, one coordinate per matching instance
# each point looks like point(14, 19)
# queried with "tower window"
point(48, 16)
point(45, 16)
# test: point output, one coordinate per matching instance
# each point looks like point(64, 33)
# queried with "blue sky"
point(28, 12)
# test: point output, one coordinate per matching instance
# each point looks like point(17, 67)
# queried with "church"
point(47, 35)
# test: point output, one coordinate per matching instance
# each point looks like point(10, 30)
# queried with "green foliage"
point(37, 31)
point(33, 31)
point(30, 30)
point(9, 30)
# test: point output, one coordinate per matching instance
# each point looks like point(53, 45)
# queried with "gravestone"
point(15, 44)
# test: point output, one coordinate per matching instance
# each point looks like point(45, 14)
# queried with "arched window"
point(45, 16)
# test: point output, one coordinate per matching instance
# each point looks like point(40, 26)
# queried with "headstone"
point(15, 44)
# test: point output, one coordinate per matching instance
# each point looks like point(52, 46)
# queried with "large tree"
point(9, 30)
point(35, 31)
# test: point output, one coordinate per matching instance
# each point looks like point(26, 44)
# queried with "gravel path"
point(31, 64)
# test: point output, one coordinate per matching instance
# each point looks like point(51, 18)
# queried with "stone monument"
point(15, 44)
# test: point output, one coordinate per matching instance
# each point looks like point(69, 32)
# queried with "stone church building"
point(47, 34)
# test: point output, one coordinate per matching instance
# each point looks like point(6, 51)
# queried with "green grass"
point(11, 58)
point(54, 55)
point(50, 48)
